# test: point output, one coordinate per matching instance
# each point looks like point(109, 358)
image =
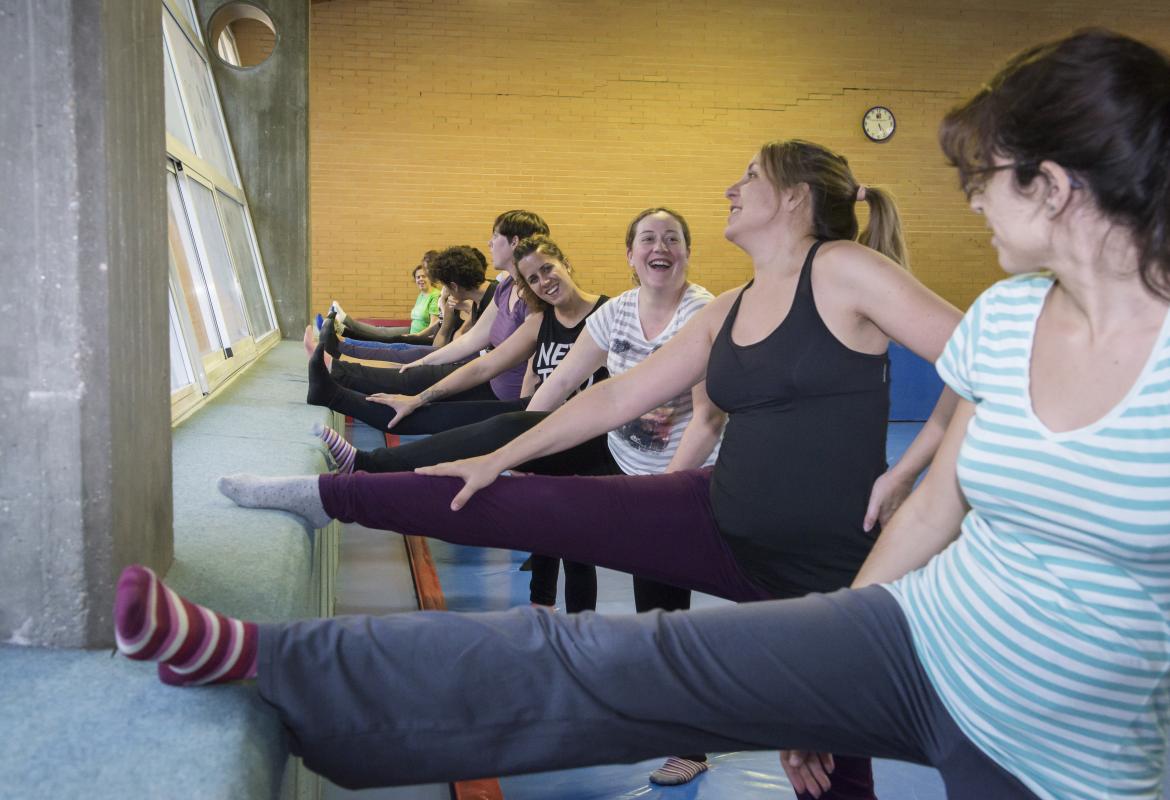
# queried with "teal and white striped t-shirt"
point(1044, 626)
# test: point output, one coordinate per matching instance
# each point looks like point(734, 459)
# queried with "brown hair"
point(833, 192)
point(520, 223)
point(1098, 104)
point(632, 231)
point(526, 247)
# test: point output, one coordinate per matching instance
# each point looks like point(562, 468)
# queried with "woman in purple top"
point(500, 319)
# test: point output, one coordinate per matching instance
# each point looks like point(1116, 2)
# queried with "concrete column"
point(267, 111)
point(85, 468)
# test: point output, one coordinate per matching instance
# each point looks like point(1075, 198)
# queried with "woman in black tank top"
point(796, 358)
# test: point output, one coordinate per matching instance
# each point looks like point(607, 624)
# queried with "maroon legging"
point(658, 526)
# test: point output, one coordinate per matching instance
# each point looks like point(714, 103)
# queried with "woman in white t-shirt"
point(682, 433)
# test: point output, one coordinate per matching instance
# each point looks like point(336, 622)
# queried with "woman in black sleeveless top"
point(796, 358)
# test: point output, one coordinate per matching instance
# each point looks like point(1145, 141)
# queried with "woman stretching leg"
point(801, 474)
point(1020, 633)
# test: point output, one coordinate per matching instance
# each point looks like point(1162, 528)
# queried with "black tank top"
point(553, 343)
point(805, 440)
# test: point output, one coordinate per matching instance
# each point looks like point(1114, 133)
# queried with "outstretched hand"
point(476, 473)
point(403, 404)
point(807, 771)
point(888, 493)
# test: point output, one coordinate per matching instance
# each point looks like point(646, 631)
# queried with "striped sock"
point(192, 645)
point(677, 771)
point(341, 451)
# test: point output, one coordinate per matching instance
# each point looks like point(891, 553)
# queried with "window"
point(221, 310)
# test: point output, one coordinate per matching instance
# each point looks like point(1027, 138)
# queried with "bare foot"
point(310, 340)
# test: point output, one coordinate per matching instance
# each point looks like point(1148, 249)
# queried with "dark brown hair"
point(519, 224)
point(833, 191)
point(1098, 104)
point(462, 265)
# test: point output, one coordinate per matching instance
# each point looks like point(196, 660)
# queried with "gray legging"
point(418, 698)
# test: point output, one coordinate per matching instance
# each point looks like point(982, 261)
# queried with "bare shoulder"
point(717, 310)
point(843, 255)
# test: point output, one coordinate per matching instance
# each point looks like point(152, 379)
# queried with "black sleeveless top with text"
point(805, 441)
point(553, 343)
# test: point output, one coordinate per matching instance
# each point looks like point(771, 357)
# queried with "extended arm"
point(466, 345)
point(512, 351)
point(583, 359)
point(929, 520)
point(701, 435)
point(904, 310)
point(675, 368)
point(892, 488)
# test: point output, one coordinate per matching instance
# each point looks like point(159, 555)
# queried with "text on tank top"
point(553, 343)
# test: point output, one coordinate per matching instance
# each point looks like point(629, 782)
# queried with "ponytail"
point(884, 231)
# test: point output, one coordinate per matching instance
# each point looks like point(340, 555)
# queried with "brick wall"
point(254, 40)
point(428, 118)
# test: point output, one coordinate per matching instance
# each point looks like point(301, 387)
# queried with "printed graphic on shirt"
point(646, 445)
point(553, 343)
point(651, 431)
point(549, 355)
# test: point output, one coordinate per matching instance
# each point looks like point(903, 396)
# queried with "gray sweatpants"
point(436, 696)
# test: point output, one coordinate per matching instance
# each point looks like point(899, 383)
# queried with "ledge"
point(84, 724)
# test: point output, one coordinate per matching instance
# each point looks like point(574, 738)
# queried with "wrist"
point(903, 472)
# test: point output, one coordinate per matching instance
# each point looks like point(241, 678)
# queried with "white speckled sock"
point(297, 495)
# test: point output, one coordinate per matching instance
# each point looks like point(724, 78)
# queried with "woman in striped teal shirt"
point(1012, 625)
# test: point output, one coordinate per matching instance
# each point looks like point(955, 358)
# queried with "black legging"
point(370, 380)
point(591, 457)
point(346, 390)
point(376, 333)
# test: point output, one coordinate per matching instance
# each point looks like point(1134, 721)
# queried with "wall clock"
point(878, 123)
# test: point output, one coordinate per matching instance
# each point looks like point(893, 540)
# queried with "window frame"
point(211, 370)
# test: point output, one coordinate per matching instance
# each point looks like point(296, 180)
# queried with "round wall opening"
point(242, 34)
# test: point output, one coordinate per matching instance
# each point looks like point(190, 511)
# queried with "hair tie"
point(861, 193)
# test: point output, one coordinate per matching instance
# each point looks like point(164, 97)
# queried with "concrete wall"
point(85, 475)
point(267, 111)
point(429, 118)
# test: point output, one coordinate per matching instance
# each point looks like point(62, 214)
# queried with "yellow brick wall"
point(428, 117)
point(254, 41)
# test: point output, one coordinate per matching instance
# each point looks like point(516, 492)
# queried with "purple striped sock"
point(192, 644)
point(342, 452)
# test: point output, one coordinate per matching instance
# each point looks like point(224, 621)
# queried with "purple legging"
point(657, 526)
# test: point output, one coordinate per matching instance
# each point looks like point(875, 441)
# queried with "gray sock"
point(298, 495)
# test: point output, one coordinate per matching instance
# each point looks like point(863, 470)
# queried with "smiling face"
point(547, 276)
point(754, 204)
point(659, 253)
point(1021, 232)
point(420, 279)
